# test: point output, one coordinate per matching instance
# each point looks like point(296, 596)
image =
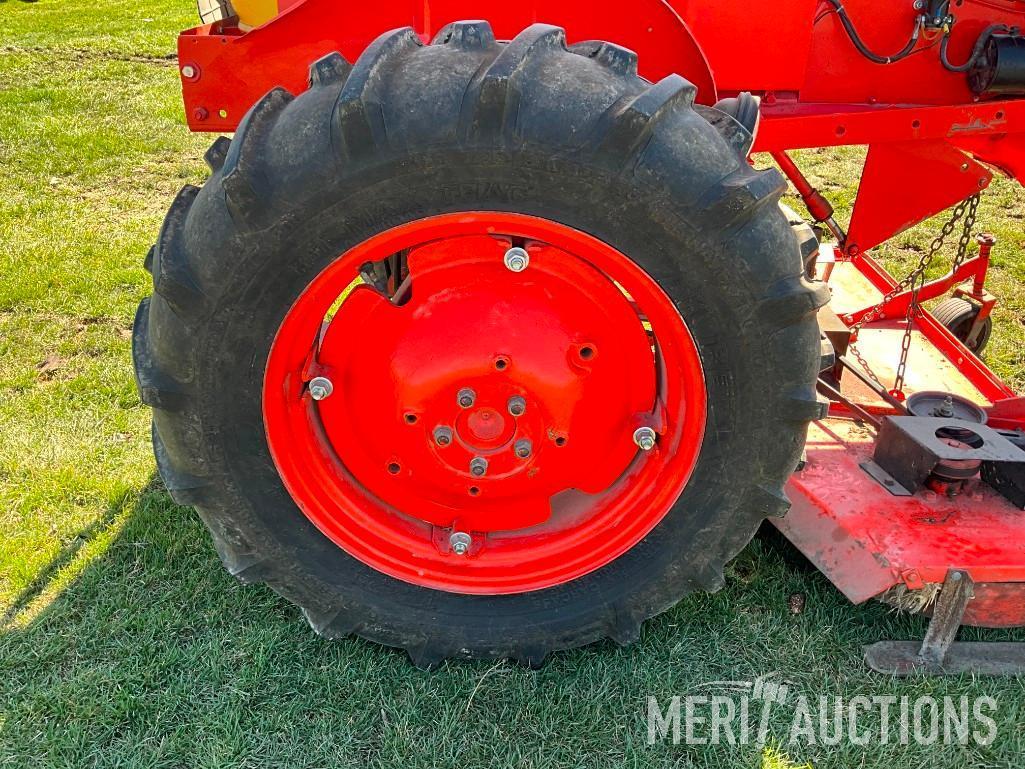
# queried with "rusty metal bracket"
point(938, 653)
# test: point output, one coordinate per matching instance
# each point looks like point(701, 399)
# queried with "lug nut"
point(460, 542)
point(320, 388)
point(517, 259)
point(478, 466)
point(466, 397)
point(523, 447)
point(516, 405)
point(442, 435)
point(644, 437)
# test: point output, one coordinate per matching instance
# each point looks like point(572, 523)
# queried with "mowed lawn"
point(124, 643)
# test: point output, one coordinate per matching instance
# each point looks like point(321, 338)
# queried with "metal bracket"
point(938, 653)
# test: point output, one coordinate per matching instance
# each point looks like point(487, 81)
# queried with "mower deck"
point(866, 539)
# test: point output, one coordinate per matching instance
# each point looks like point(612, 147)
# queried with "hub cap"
point(472, 398)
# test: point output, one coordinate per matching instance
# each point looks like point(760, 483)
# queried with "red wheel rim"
point(587, 339)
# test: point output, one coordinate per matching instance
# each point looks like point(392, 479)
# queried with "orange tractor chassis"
point(911, 487)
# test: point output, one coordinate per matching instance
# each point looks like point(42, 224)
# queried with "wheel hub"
point(498, 402)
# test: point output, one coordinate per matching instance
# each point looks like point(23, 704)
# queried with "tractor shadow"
point(153, 653)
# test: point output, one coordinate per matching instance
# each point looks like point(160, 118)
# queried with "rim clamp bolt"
point(516, 259)
point(645, 438)
point(321, 388)
point(460, 542)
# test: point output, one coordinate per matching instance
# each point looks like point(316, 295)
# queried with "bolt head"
point(189, 72)
point(320, 388)
point(466, 397)
point(523, 448)
point(478, 466)
point(442, 435)
point(460, 542)
point(644, 437)
point(517, 405)
point(517, 259)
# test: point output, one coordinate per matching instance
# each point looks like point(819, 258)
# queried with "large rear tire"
point(530, 134)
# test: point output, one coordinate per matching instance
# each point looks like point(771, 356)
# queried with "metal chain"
point(967, 209)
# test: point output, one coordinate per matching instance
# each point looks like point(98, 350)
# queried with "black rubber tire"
point(958, 315)
point(468, 123)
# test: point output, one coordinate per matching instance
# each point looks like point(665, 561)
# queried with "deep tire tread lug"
point(156, 389)
point(791, 300)
point(245, 189)
point(185, 488)
point(466, 35)
point(329, 70)
point(217, 153)
point(357, 118)
point(627, 127)
point(620, 60)
point(172, 277)
point(491, 105)
point(739, 196)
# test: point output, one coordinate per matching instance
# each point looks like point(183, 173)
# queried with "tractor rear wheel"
point(480, 349)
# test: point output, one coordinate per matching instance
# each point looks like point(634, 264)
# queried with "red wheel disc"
point(538, 379)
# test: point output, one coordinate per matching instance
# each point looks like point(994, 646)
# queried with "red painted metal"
point(953, 176)
point(363, 466)
point(867, 540)
point(971, 269)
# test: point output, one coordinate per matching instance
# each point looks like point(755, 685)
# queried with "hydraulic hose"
point(980, 46)
point(863, 49)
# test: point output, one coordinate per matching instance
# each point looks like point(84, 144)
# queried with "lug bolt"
point(466, 397)
point(644, 437)
point(523, 447)
point(517, 259)
point(478, 466)
point(460, 542)
point(442, 435)
point(320, 388)
point(516, 405)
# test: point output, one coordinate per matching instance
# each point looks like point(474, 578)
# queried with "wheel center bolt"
point(517, 259)
point(645, 437)
point(466, 397)
point(320, 388)
point(442, 435)
point(516, 405)
point(478, 466)
point(460, 542)
point(523, 448)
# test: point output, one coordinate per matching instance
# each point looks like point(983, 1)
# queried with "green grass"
point(123, 642)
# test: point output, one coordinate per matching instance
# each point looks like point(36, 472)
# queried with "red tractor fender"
point(278, 53)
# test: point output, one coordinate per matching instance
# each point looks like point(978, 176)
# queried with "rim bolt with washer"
point(321, 388)
point(460, 542)
point(517, 405)
point(517, 259)
point(478, 466)
point(466, 397)
point(442, 435)
point(644, 437)
point(523, 447)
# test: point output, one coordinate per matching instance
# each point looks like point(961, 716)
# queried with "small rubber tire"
point(958, 315)
point(533, 126)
